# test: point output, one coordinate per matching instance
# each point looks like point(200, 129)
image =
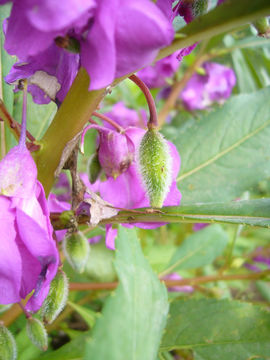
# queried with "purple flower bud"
point(28, 256)
point(115, 151)
point(202, 91)
point(156, 75)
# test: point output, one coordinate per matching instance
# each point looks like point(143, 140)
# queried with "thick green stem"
point(73, 114)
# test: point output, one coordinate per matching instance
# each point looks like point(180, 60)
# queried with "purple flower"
point(203, 90)
point(28, 257)
point(156, 75)
point(50, 74)
point(110, 37)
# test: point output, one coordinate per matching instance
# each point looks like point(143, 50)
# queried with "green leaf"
point(218, 329)
point(225, 152)
point(70, 351)
point(229, 15)
point(251, 64)
point(199, 249)
point(87, 314)
point(38, 116)
point(133, 319)
point(245, 212)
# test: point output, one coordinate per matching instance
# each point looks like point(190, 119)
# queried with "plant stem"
point(22, 141)
point(108, 120)
point(170, 283)
point(152, 122)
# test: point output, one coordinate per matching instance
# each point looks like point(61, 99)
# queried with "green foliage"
point(88, 315)
point(225, 152)
point(200, 248)
point(133, 318)
point(218, 329)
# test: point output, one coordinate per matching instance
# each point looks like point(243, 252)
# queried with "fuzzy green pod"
point(56, 299)
point(76, 249)
point(155, 166)
point(263, 27)
point(93, 168)
point(37, 333)
point(8, 349)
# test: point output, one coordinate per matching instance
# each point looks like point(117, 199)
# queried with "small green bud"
point(155, 165)
point(37, 333)
point(93, 168)
point(8, 349)
point(56, 299)
point(76, 249)
point(263, 27)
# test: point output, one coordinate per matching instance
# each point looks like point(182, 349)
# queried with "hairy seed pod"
point(155, 166)
point(37, 333)
point(8, 349)
point(76, 249)
point(56, 299)
point(93, 168)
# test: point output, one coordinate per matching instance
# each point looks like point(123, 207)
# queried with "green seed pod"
point(93, 168)
point(8, 349)
point(37, 333)
point(263, 27)
point(56, 299)
point(155, 165)
point(76, 249)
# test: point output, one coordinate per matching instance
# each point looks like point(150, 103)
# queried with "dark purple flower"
point(28, 257)
point(202, 91)
point(110, 37)
point(156, 75)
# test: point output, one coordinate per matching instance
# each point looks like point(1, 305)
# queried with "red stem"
point(152, 123)
point(110, 121)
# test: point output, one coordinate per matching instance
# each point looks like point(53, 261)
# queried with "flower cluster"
point(107, 38)
point(127, 190)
